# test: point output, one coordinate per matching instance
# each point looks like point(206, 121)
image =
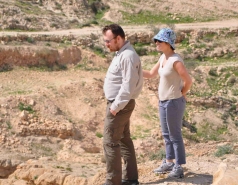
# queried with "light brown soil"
point(79, 95)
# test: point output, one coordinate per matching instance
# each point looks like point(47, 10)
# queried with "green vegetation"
point(88, 65)
point(205, 132)
point(58, 6)
point(28, 108)
point(9, 126)
point(226, 78)
point(99, 51)
point(99, 13)
point(29, 8)
point(191, 64)
point(190, 136)
point(65, 168)
point(128, 5)
point(64, 44)
point(69, 169)
point(209, 36)
point(208, 133)
point(213, 72)
point(43, 66)
point(84, 66)
point(42, 150)
point(140, 132)
point(147, 65)
point(147, 17)
point(158, 155)
point(19, 92)
point(99, 135)
point(222, 150)
point(184, 43)
point(151, 113)
point(200, 45)
point(141, 51)
point(30, 40)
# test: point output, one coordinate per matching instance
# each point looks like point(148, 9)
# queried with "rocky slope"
point(46, 14)
point(35, 15)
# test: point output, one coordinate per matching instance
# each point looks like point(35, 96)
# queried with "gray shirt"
point(170, 84)
point(124, 78)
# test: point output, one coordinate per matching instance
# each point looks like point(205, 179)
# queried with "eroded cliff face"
point(29, 56)
point(40, 49)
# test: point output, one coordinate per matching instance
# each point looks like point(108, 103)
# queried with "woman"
point(173, 85)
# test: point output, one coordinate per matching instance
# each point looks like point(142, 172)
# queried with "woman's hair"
point(116, 30)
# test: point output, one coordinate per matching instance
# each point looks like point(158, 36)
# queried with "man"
point(122, 85)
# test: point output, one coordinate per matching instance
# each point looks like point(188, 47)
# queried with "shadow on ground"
point(197, 179)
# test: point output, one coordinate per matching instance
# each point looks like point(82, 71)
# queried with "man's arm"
point(130, 77)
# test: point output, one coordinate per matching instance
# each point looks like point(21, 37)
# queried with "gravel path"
point(233, 23)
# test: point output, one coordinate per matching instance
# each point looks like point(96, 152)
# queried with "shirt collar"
point(126, 44)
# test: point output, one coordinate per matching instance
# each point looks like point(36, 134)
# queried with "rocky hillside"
point(35, 15)
point(52, 103)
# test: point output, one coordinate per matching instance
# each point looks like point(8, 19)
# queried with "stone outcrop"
point(48, 56)
point(32, 172)
point(225, 175)
point(7, 167)
point(40, 56)
point(48, 128)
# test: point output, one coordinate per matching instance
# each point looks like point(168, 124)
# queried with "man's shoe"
point(164, 167)
point(130, 182)
point(177, 172)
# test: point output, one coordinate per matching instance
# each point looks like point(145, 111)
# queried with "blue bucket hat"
point(166, 35)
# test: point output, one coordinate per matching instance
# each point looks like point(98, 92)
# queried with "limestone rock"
point(225, 175)
point(75, 180)
point(6, 167)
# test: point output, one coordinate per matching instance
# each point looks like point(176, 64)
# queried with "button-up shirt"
point(124, 78)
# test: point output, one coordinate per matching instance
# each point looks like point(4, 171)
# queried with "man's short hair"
point(116, 30)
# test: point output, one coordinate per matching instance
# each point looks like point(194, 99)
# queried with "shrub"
point(222, 150)
point(28, 108)
point(213, 72)
point(30, 40)
point(157, 155)
point(140, 51)
point(99, 135)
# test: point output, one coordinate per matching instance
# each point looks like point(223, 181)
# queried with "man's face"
point(110, 41)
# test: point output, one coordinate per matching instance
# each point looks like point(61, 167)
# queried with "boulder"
point(225, 175)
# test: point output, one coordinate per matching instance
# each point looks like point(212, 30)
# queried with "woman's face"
point(161, 45)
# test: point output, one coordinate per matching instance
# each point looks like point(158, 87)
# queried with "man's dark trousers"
point(117, 143)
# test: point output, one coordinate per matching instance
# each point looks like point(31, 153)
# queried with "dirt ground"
point(78, 96)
